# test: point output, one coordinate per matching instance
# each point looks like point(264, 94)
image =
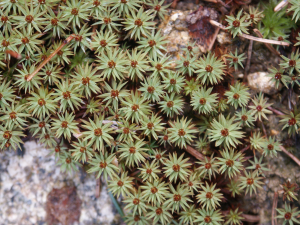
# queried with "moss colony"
point(93, 82)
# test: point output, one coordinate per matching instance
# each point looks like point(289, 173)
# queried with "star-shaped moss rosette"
point(55, 23)
point(137, 64)
point(225, 132)
point(152, 126)
point(149, 171)
point(15, 114)
point(159, 213)
point(234, 217)
point(125, 7)
point(210, 69)
point(40, 126)
point(187, 65)
point(57, 149)
point(191, 86)
point(10, 137)
point(178, 198)
point(102, 164)
point(204, 101)
point(256, 141)
point(97, 6)
point(152, 89)
point(135, 107)
point(65, 125)
point(97, 133)
point(159, 156)
point(259, 107)
point(108, 19)
point(48, 139)
point(209, 217)
point(51, 74)
point(133, 152)
point(254, 15)
point(6, 93)
point(67, 163)
point(271, 147)
point(278, 77)
point(28, 41)
point(209, 197)
point(160, 66)
point(82, 39)
point(208, 167)
point(135, 202)
point(234, 188)
point(155, 192)
point(295, 9)
point(193, 183)
point(181, 132)
point(63, 54)
point(188, 216)
point(127, 131)
point(139, 24)
point(8, 5)
point(258, 165)
point(245, 117)
point(172, 104)
point(103, 41)
point(237, 25)
point(290, 191)
point(121, 185)
point(288, 214)
point(7, 42)
point(135, 219)
point(238, 95)
point(174, 82)
point(230, 163)
point(250, 181)
point(177, 168)
point(158, 7)
point(81, 151)
point(291, 63)
point(291, 121)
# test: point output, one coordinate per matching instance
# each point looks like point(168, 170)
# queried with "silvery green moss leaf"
point(152, 89)
point(135, 107)
point(87, 79)
point(172, 105)
point(192, 183)
point(109, 19)
point(191, 86)
point(43, 53)
point(65, 125)
point(245, 117)
point(278, 76)
point(135, 203)
point(21, 81)
point(250, 181)
point(256, 141)
point(10, 136)
point(271, 147)
point(209, 217)
point(178, 198)
point(160, 66)
point(102, 164)
point(139, 24)
point(127, 131)
point(260, 107)
point(158, 7)
point(135, 219)
point(125, 7)
point(258, 165)
point(15, 114)
point(40, 126)
point(152, 126)
point(237, 25)
point(160, 214)
point(68, 95)
point(203, 101)
point(230, 163)
point(56, 23)
point(93, 106)
point(45, 5)
point(295, 9)
point(254, 15)
point(121, 185)
point(149, 171)
point(115, 94)
point(6, 94)
point(31, 17)
point(187, 65)
point(76, 12)
point(290, 191)
point(51, 73)
point(189, 215)
point(191, 49)
point(159, 156)
point(234, 188)
point(104, 41)
point(57, 149)
point(96, 7)
point(177, 167)
point(225, 132)
point(155, 192)
point(29, 59)
point(133, 152)
point(208, 167)
point(97, 133)
point(27, 41)
point(236, 60)
point(202, 144)
point(8, 6)
point(47, 139)
point(181, 132)
point(113, 64)
point(210, 69)
point(7, 42)
point(82, 39)
point(292, 63)
point(209, 197)
point(67, 163)
point(288, 214)
point(174, 82)
point(153, 44)
point(137, 64)
point(234, 217)
point(290, 120)
point(62, 56)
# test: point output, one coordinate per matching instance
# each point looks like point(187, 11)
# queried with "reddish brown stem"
point(275, 200)
point(290, 155)
point(195, 153)
point(66, 41)
point(248, 60)
point(14, 54)
point(98, 188)
point(250, 218)
point(277, 112)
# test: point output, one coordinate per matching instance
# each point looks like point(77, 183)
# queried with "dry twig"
point(270, 47)
point(290, 155)
point(195, 153)
point(275, 200)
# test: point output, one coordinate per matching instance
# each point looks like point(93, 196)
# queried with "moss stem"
point(290, 155)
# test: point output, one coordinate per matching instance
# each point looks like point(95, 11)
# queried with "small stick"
point(281, 5)
point(246, 148)
point(98, 188)
point(14, 54)
point(264, 129)
point(248, 60)
point(68, 39)
point(250, 218)
point(277, 112)
point(213, 39)
point(275, 200)
point(215, 23)
point(290, 155)
point(270, 47)
point(195, 153)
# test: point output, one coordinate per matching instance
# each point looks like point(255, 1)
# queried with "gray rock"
point(260, 82)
